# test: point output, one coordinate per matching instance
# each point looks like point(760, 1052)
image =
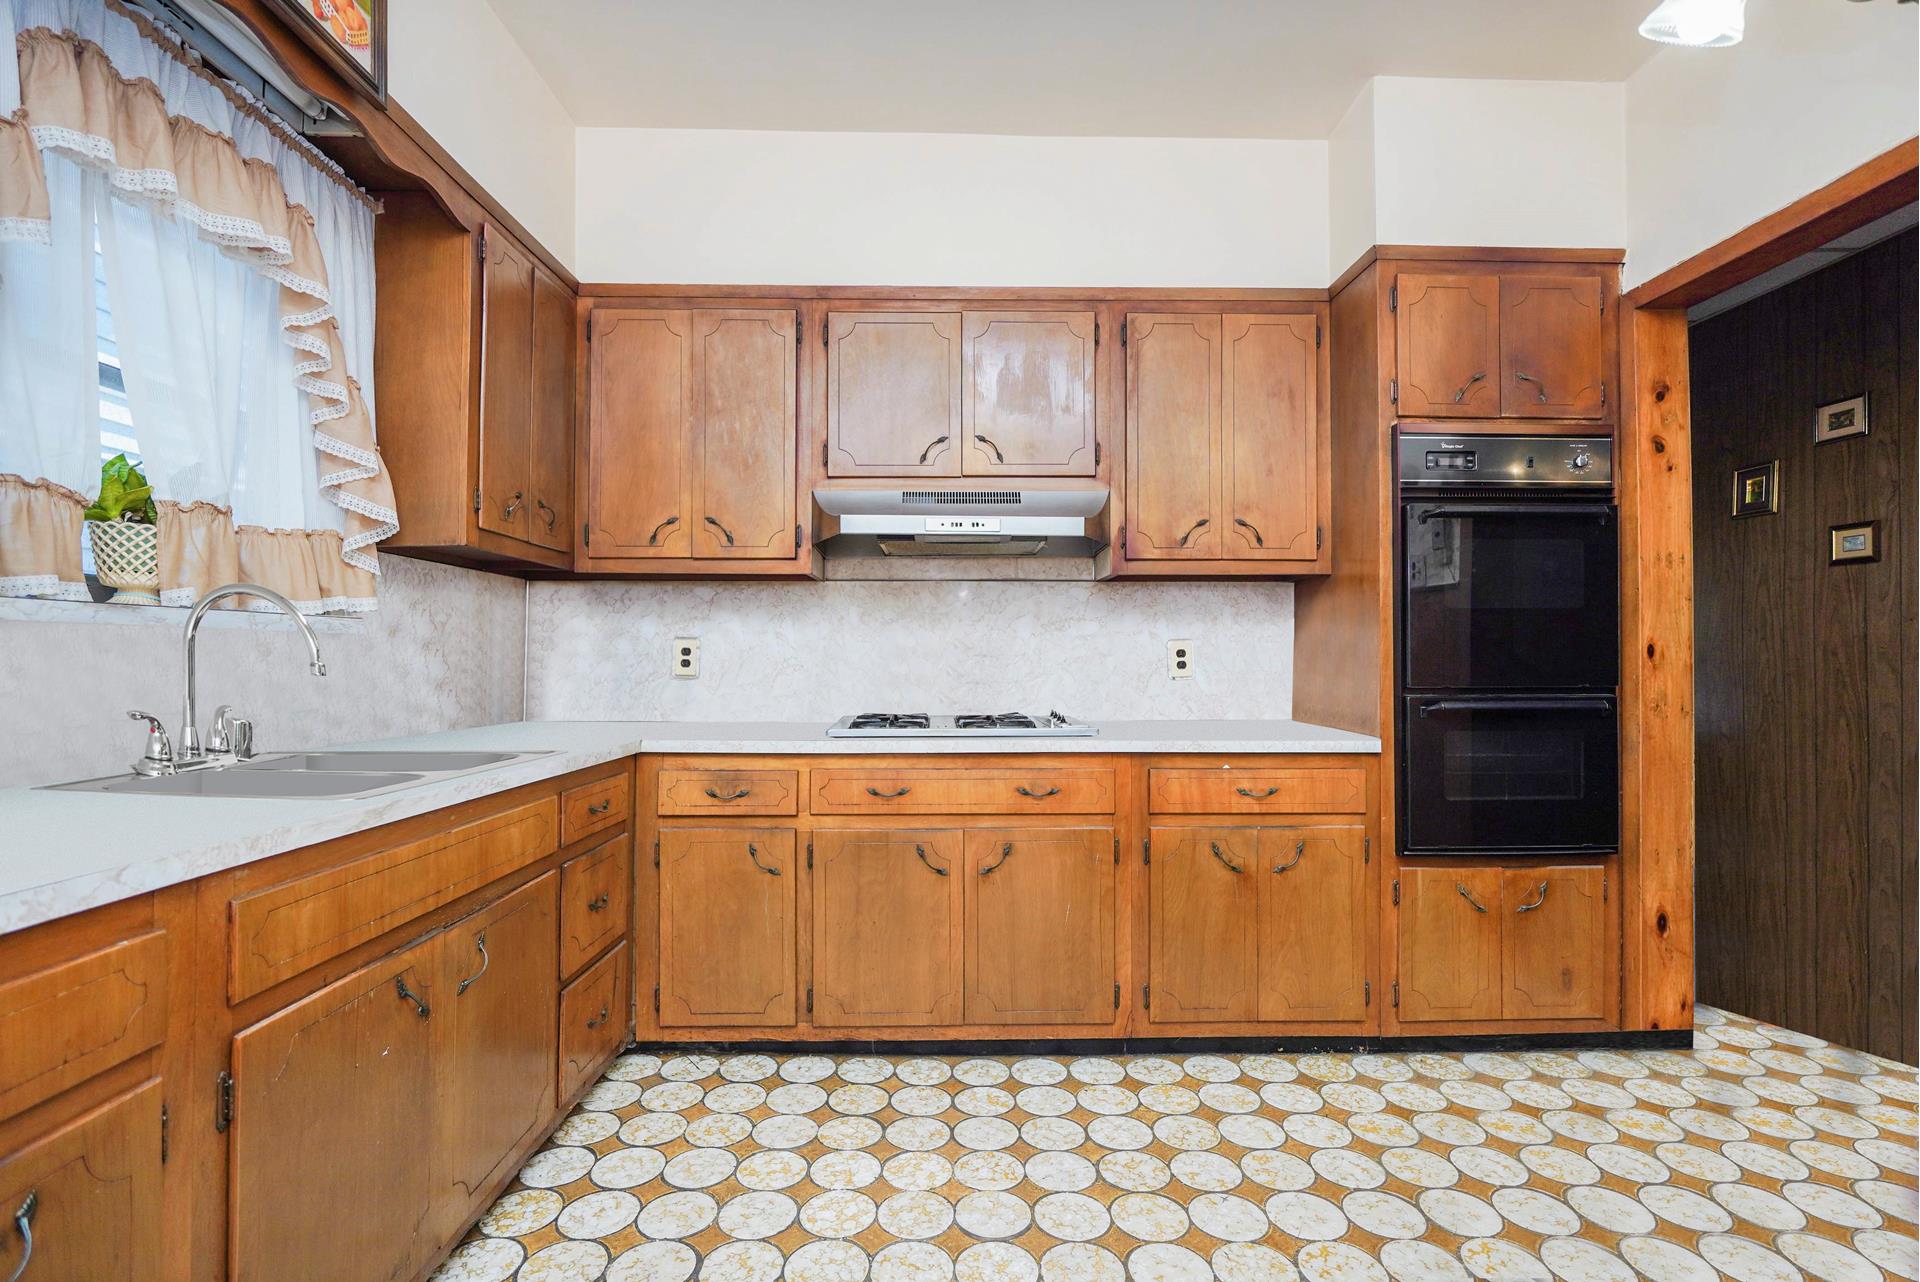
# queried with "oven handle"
point(1518, 705)
point(1603, 510)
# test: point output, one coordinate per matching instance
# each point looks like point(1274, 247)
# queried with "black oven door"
point(1510, 595)
point(1523, 775)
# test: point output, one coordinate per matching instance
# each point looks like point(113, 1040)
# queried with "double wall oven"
point(1508, 646)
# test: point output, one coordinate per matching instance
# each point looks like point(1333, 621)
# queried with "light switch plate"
point(686, 657)
point(1180, 660)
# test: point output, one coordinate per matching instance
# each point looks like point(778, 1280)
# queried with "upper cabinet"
point(1506, 344)
point(1028, 389)
point(893, 394)
point(1553, 347)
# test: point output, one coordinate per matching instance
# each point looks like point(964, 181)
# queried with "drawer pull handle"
point(1468, 896)
point(599, 1019)
point(753, 853)
point(998, 457)
point(921, 851)
point(653, 540)
point(602, 808)
point(23, 1224)
point(420, 1008)
point(928, 452)
point(1251, 528)
point(887, 796)
point(730, 796)
point(1467, 386)
point(1539, 897)
point(1193, 530)
point(552, 516)
point(480, 942)
point(1025, 791)
point(1528, 378)
point(513, 505)
point(597, 903)
point(1226, 862)
point(1006, 853)
point(1299, 849)
point(725, 532)
point(1262, 795)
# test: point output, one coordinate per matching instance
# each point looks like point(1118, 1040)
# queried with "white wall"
point(1720, 138)
point(1350, 185)
point(727, 206)
point(453, 65)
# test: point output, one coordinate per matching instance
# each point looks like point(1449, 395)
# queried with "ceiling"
point(1124, 68)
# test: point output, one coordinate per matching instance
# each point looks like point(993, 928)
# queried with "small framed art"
point(1857, 542)
point(1839, 420)
point(1756, 489)
point(350, 34)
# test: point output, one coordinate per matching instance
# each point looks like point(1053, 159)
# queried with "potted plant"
point(126, 543)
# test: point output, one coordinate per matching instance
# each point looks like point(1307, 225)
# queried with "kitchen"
point(1084, 732)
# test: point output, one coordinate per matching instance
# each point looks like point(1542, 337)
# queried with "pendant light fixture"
point(1697, 24)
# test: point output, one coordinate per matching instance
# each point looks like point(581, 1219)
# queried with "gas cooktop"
point(966, 725)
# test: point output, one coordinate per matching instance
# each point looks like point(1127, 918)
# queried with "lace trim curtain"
point(169, 141)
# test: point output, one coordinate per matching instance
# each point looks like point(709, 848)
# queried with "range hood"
point(961, 523)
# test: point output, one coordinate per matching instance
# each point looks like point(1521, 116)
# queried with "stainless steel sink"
point(425, 762)
point(241, 782)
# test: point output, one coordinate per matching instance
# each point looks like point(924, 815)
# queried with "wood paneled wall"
point(1806, 671)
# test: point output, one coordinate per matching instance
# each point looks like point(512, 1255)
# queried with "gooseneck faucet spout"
point(189, 750)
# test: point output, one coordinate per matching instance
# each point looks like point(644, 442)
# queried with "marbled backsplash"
point(445, 650)
point(817, 651)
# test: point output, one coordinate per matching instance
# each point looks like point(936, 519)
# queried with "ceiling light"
point(1698, 24)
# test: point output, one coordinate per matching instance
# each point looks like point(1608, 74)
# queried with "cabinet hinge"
point(1316, 333)
point(1096, 454)
point(809, 999)
point(1603, 887)
point(1116, 858)
point(823, 331)
point(1319, 537)
point(1603, 391)
point(1116, 996)
point(656, 1001)
point(480, 244)
point(1393, 390)
point(476, 499)
point(1096, 331)
point(1366, 850)
point(799, 333)
point(1146, 851)
point(1366, 992)
point(164, 1122)
point(809, 856)
point(1146, 996)
point(656, 854)
point(1396, 994)
point(1123, 333)
point(823, 454)
point(1393, 298)
point(1396, 892)
point(223, 1101)
point(796, 536)
point(1123, 540)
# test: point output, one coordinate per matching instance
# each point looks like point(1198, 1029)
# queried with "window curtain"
point(239, 270)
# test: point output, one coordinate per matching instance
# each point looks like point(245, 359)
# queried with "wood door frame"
point(1654, 452)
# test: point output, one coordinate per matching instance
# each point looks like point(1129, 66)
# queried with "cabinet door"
point(727, 926)
point(1202, 959)
point(506, 386)
point(743, 434)
point(496, 1021)
point(1449, 944)
point(1270, 404)
point(1553, 943)
point(887, 911)
point(1552, 347)
point(329, 1146)
point(550, 452)
point(893, 394)
point(640, 406)
point(1173, 436)
point(1314, 907)
point(1040, 926)
point(1448, 335)
point(1029, 394)
point(95, 1182)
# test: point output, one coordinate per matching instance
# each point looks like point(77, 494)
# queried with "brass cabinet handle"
point(1468, 896)
point(599, 1019)
point(723, 530)
point(998, 457)
point(1539, 897)
point(513, 505)
point(1251, 795)
point(1025, 791)
point(1528, 378)
point(1299, 849)
point(597, 903)
point(1228, 863)
point(480, 942)
point(1006, 853)
point(1249, 525)
point(1467, 386)
point(420, 1008)
point(921, 851)
point(753, 853)
point(887, 796)
point(928, 452)
point(731, 796)
point(1193, 530)
point(544, 506)
point(601, 808)
point(653, 540)
point(23, 1225)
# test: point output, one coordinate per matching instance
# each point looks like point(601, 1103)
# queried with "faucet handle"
point(231, 733)
point(158, 758)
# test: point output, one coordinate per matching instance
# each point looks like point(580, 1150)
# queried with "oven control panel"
point(1555, 462)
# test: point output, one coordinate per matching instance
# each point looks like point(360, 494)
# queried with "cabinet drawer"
point(593, 1021)
point(604, 803)
point(1043, 790)
point(286, 929)
point(77, 1018)
point(1335, 791)
point(96, 1188)
point(729, 792)
point(593, 903)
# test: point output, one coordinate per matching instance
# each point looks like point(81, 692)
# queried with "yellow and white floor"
point(1761, 1155)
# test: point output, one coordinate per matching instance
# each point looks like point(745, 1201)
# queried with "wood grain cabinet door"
point(1202, 959)
point(727, 927)
point(550, 451)
point(1449, 944)
point(1554, 943)
point(887, 907)
point(1447, 332)
point(1040, 947)
point(1173, 436)
point(1029, 394)
point(1553, 349)
point(893, 394)
point(506, 386)
point(330, 1147)
point(743, 434)
point(640, 408)
point(495, 1019)
point(1314, 907)
point(95, 1182)
point(1270, 406)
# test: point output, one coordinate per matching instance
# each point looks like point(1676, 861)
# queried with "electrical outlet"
point(686, 657)
point(1179, 660)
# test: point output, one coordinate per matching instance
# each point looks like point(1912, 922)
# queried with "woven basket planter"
point(126, 557)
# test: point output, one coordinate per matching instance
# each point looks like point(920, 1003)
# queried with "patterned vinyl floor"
point(1762, 1155)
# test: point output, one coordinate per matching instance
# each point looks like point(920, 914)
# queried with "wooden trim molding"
point(1473, 254)
point(952, 293)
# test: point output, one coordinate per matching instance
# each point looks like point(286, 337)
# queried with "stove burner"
point(891, 721)
point(995, 721)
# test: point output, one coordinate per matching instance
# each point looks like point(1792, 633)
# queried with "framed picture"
point(1840, 419)
point(1857, 542)
point(351, 35)
point(1756, 489)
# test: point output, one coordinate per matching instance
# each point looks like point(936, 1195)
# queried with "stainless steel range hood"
point(961, 523)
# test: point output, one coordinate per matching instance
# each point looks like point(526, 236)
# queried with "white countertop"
point(63, 852)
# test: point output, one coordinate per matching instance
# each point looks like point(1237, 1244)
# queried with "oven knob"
point(1582, 461)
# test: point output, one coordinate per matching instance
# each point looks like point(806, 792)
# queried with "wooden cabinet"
point(743, 434)
point(1502, 345)
point(1271, 453)
point(1448, 340)
point(594, 891)
point(595, 1017)
point(550, 443)
point(1040, 918)
point(639, 408)
point(1029, 394)
point(887, 912)
point(1173, 436)
point(727, 927)
point(1553, 943)
point(1553, 348)
point(1449, 944)
point(1314, 938)
point(893, 394)
point(1202, 918)
point(94, 1185)
point(506, 385)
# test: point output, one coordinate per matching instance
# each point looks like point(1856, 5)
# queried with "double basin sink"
point(312, 775)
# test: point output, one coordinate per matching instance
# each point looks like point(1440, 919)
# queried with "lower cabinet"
point(1489, 943)
point(92, 1188)
point(1039, 926)
point(887, 911)
point(727, 927)
point(593, 1021)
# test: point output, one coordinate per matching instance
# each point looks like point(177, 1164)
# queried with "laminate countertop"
point(64, 852)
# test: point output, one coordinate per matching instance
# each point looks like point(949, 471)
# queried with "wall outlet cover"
point(686, 657)
point(1180, 660)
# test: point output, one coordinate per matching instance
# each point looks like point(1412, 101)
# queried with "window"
point(116, 419)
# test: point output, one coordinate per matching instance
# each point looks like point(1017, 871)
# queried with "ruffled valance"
point(40, 540)
point(200, 547)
